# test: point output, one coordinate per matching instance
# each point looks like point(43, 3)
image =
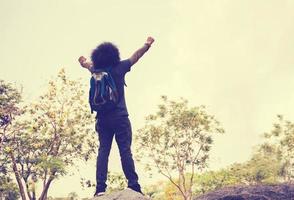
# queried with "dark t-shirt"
point(118, 74)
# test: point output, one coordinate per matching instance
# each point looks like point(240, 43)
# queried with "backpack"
point(103, 94)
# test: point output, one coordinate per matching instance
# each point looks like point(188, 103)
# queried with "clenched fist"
point(150, 40)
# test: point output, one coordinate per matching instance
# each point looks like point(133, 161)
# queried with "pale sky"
point(235, 57)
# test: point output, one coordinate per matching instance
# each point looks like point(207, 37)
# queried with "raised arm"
point(140, 52)
point(87, 65)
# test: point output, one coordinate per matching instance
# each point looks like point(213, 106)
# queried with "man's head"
point(105, 55)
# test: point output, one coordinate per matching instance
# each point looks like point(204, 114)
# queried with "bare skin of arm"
point(87, 65)
point(140, 52)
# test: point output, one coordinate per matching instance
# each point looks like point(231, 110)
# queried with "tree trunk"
point(188, 195)
point(189, 192)
point(182, 184)
point(28, 191)
point(34, 192)
point(18, 177)
point(45, 189)
point(185, 186)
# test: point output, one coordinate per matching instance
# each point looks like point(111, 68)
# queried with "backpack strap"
point(102, 88)
point(110, 79)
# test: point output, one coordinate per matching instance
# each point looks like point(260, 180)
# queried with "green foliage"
point(262, 168)
point(53, 164)
point(270, 164)
point(116, 182)
point(52, 134)
point(10, 97)
point(8, 189)
point(155, 191)
point(177, 139)
point(213, 180)
point(281, 138)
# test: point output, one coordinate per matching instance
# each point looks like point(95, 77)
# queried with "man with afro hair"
point(115, 122)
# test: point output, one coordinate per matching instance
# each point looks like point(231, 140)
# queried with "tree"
point(212, 180)
point(178, 139)
point(263, 168)
point(281, 138)
point(53, 133)
point(10, 97)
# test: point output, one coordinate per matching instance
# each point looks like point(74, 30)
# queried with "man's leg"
point(123, 137)
point(105, 139)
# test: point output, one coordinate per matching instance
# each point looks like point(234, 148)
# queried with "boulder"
point(126, 194)
point(256, 192)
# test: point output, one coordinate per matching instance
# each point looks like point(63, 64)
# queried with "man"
point(115, 122)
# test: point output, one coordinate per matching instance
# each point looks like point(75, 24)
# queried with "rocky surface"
point(126, 194)
point(256, 192)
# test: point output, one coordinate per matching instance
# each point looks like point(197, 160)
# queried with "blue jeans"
point(120, 127)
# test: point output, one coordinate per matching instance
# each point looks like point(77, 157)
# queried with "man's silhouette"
point(115, 122)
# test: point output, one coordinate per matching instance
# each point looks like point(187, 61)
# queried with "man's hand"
point(82, 61)
point(140, 52)
point(150, 40)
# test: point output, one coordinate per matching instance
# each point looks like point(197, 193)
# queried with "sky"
point(234, 56)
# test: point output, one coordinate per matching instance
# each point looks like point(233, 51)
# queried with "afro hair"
point(105, 55)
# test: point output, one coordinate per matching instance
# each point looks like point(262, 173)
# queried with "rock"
point(256, 192)
point(126, 194)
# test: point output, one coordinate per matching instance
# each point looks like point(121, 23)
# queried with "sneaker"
point(98, 194)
